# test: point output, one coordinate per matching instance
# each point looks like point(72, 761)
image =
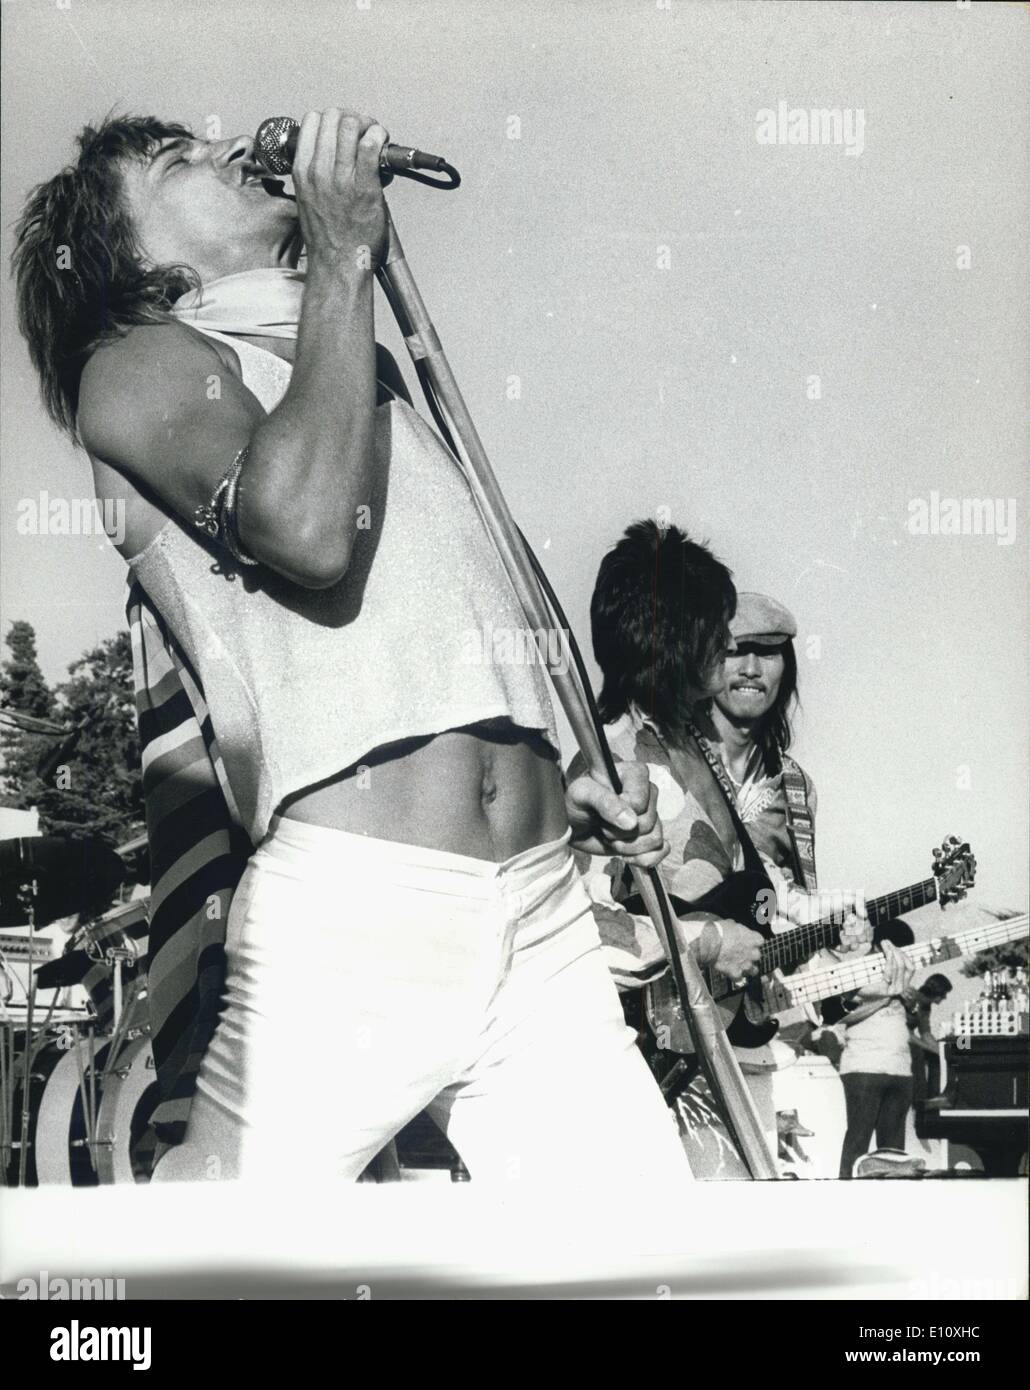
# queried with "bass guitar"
point(745, 898)
point(808, 987)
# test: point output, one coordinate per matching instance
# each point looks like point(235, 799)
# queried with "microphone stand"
point(709, 1035)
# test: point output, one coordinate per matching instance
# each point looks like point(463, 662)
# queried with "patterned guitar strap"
point(800, 822)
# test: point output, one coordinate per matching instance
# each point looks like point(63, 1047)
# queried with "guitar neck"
point(904, 900)
point(851, 975)
point(792, 948)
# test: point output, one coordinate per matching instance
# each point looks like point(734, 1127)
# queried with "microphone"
point(275, 146)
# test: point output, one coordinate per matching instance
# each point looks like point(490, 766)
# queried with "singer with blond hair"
point(410, 904)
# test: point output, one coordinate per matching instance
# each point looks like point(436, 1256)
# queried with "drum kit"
point(78, 1085)
point(77, 1082)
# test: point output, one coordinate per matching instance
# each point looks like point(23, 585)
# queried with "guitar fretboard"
point(851, 975)
point(792, 948)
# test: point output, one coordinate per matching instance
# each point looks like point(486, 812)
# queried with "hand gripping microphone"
point(275, 146)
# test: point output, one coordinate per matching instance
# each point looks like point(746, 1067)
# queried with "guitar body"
point(743, 897)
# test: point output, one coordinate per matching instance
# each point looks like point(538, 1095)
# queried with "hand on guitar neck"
point(847, 908)
point(806, 987)
point(840, 938)
point(870, 998)
point(734, 951)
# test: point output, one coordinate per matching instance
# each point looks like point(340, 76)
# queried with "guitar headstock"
point(954, 868)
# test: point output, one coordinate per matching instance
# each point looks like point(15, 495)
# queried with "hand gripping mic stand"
point(543, 612)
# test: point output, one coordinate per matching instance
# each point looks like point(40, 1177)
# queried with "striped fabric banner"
point(198, 852)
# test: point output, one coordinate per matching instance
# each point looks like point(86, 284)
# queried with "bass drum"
point(127, 1143)
point(56, 1138)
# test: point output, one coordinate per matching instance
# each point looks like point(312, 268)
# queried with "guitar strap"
point(800, 822)
point(752, 859)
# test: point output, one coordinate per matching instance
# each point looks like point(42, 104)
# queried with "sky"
point(791, 349)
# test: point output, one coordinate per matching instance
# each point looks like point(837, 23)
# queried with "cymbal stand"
point(28, 900)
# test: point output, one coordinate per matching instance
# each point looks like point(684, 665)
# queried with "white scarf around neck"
point(261, 303)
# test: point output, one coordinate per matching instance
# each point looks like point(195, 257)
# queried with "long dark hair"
point(897, 931)
point(658, 620)
point(776, 734)
point(78, 265)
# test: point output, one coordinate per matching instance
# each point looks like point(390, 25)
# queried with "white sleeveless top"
point(879, 1043)
point(303, 683)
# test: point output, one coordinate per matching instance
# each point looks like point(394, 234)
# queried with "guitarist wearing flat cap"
point(699, 684)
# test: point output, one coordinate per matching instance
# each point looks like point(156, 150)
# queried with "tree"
point(1008, 957)
point(97, 789)
point(23, 690)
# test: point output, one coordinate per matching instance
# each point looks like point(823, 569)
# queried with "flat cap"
point(761, 619)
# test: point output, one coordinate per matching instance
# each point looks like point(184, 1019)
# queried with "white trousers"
point(368, 981)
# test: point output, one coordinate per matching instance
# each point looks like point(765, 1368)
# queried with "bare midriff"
point(488, 791)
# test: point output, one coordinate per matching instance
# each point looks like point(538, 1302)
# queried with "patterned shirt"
point(704, 849)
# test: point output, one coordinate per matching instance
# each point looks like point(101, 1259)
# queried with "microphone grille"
point(275, 143)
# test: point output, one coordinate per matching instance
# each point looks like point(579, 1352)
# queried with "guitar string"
point(903, 899)
point(806, 938)
point(771, 952)
point(849, 976)
point(968, 943)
